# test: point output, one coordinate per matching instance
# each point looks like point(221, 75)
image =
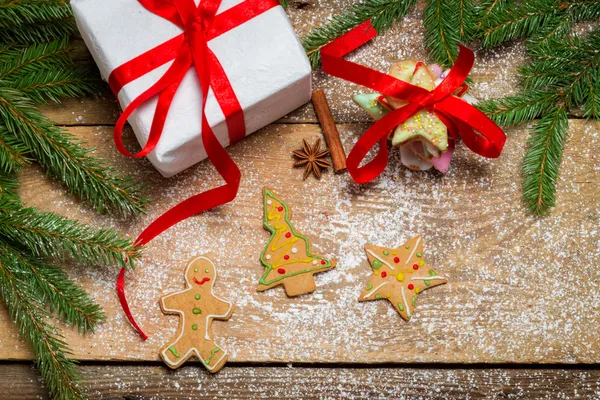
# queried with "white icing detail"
point(294, 250)
point(380, 259)
point(405, 303)
point(314, 262)
point(268, 256)
point(427, 278)
point(412, 253)
point(206, 336)
point(376, 289)
point(269, 202)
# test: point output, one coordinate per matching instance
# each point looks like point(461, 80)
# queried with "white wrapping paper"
point(263, 58)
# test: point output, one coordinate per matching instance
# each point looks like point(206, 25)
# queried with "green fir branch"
point(583, 10)
point(49, 235)
point(382, 13)
point(21, 61)
point(542, 160)
point(33, 21)
point(525, 106)
point(442, 29)
point(53, 288)
point(12, 152)
point(44, 85)
point(64, 158)
point(523, 21)
point(51, 351)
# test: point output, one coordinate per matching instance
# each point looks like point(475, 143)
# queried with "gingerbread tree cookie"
point(399, 275)
point(287, 257)
point(197, 306)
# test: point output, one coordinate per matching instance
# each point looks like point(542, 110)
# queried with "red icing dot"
point(396, 260)
point(323, 262)
point(383, 274)
point(415, 266)
point(280, 208)
point(286, 257)
point(288, 235)
point(281, 270)
point(411, 286)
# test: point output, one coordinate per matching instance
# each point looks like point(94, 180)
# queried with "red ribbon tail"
point(125, 305)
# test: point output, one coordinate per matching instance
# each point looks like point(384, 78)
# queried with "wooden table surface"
point(519, 318)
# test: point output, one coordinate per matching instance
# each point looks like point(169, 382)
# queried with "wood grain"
point(521, 289)
point(152, 382)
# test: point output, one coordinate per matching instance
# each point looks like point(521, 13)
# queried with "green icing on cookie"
point(369, 103)
point(377, 264)
point(173, 351)
point(196, 311)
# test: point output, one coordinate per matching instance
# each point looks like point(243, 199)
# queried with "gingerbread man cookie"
point(287, 258)
point(196, 306)
point(399, 275)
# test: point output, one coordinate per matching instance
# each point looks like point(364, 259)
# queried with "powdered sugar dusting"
point(520, 289)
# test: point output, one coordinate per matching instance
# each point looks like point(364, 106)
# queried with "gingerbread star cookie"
point(197, 306)
point(399, 275)
point(287, 257)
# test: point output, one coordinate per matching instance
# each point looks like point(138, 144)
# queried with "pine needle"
point(49, 235)
point(542, 160)
point(49, 347)
point(382, 13)
point(52, 287)
point(64, 158)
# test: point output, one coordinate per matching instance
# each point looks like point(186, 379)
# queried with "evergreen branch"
point(52, 287)
point(44, 85)
point(34, 21)
point(591, 107)
point(542, 160)
point(520, 22)
point(467, 20)
point(487, 9)
point(49, 235)
point(51, 351)
point(66, 159)
point(9, 199)
point(583, 10)
point(26, 60)
point(12, 152)
point(442, 30)
point(525, 106)
point(382, 13)
point(561, 29)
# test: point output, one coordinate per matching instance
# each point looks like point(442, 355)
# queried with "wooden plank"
point(151, 382)
point(494, 74)
point(521, 289)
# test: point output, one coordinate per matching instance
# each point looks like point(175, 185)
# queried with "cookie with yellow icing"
point(424, 125)
point(287, 257)
point(399, 275)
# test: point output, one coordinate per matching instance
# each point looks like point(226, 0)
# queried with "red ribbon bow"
point(189, 49)
point(478, 132)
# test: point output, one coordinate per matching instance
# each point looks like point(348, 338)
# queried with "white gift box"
point(263, 59)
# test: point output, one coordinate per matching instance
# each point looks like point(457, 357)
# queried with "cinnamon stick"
point(332, 136)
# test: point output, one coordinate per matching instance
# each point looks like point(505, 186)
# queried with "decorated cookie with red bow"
point(197, 306)
point(399, 275)
point(422, 138)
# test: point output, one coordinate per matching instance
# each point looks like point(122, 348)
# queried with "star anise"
point(312, 158)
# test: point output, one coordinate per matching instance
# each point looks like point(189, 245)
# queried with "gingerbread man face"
point(200, 274)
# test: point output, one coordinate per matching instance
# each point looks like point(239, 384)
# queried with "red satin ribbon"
point(478, 132)
point(189, 49)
